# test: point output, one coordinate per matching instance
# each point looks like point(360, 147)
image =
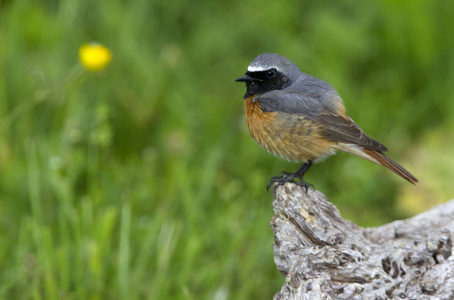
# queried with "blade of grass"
point(123, 255)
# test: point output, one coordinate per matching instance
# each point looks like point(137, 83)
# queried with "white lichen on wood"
point(323, 256)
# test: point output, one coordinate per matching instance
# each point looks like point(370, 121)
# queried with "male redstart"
point(302, 118)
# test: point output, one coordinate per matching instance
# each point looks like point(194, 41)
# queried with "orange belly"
point(290, 136)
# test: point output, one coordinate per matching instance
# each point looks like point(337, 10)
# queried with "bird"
point(301, 118)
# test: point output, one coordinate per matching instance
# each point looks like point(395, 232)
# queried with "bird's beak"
point(246, 78)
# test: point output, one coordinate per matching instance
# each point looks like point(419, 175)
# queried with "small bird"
point(301, 118)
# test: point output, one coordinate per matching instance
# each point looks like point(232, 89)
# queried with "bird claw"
point(280, 180)
point(305, 185)
point(288, 177)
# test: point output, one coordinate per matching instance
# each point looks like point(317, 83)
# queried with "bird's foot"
point(288, 177)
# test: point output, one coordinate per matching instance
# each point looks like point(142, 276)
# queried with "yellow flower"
point(94, 57)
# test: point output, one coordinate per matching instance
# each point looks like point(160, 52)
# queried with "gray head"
point(267, 61)
point(269, 71)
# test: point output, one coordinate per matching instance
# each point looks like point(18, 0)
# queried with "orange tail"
point(387, 162)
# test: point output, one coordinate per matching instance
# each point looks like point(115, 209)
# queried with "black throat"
point(265, 81)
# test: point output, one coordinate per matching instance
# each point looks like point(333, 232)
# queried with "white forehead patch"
point(255, 68)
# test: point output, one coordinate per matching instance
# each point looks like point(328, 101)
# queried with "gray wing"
point(320, 108)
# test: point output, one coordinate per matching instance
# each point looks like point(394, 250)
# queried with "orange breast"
point(290, 136)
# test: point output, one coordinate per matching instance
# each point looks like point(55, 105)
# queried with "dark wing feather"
point(339, 129)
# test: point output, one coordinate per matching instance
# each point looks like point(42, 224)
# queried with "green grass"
point(142, 182)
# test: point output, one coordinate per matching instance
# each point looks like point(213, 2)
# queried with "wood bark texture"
point(323, 256)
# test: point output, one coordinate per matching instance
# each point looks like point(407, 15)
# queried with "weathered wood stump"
point(323, 256)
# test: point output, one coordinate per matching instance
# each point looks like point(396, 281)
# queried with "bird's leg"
point(290, 177)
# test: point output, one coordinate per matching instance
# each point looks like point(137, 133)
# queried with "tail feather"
point(387, 162)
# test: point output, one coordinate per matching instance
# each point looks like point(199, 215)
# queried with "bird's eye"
point(270, 73)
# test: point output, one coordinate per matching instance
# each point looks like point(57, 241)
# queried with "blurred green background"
point(142, 182)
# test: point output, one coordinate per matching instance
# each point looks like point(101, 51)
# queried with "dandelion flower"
point(94, 57)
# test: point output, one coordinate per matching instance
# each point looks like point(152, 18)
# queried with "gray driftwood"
point(323, 256)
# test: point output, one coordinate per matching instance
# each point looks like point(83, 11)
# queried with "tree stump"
point(323, 256)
